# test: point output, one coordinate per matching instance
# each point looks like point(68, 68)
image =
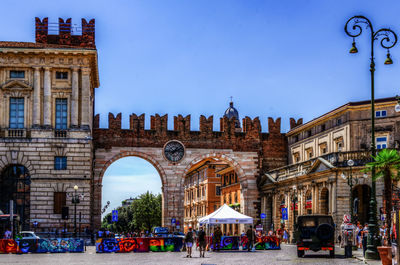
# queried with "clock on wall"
point(174, 151)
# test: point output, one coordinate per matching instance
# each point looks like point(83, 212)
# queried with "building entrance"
point(15, 185)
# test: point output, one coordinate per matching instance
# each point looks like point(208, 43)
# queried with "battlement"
point(86, 39)
point(182, 124)
point(294, 123)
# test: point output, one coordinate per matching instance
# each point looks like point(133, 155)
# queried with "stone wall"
point(248, 152)
point(37, 155)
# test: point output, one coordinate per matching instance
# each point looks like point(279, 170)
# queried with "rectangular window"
point(338, 121)
point(308, 133)
point(381, 142)
point(61, 113)
point(218, 190)
point(60, 163)
point(59, 201)
point(323, 127)
point(16, 113)
point(62, 75)
point(17, 74)
point(380, 113)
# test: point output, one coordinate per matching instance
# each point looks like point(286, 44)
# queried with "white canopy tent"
point(225, 215)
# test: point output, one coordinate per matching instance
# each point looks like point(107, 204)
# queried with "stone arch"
point(324, 201)
point(361, 196)
point(236, 166)
point(100, 168)
point(233, 163)
point(16, 157)
point(142, 155)
point(308, 198)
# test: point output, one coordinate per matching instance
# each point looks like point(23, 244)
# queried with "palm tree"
point(386, 164)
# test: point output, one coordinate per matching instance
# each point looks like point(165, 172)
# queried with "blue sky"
point(276, 58)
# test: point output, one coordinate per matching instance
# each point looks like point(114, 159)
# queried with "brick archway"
point(142, 155)
point(100, 167)
point(233, 163)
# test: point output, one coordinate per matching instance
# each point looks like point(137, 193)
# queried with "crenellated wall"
point(270, 146)
point(249, 152)
point(64, 37)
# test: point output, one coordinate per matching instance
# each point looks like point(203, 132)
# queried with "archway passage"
point(324, 201)
point(361, 201)
point(124, 181)
point(209, 184)
point(308, 205)
point(15, 186)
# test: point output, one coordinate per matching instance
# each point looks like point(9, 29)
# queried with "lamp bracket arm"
point(389, 38)
point(353, 26)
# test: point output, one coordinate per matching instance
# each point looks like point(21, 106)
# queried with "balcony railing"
point(60, 134)
point(15, 133)
point(337, 159)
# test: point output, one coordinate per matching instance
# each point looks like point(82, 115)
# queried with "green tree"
point(144, 213)
point(386, 164)
point(147, 211)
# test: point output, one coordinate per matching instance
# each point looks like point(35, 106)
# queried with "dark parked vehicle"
point(315, 232)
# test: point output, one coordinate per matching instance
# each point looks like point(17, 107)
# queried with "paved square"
point(285, 256)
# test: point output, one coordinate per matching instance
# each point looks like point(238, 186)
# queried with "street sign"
point(115, 215)
point(263, 216)
point(284, 214)
point(259, 228)
point(173, 221)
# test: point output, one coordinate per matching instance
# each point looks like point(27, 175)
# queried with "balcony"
point(337, 159)
point(15, 133)
point(60, 133)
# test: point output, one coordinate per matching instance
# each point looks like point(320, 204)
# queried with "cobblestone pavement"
point(287, 255)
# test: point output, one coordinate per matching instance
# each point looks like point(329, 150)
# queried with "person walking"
point(217, 239)
point(189, 242)
point(201, 239)
point(251, 236)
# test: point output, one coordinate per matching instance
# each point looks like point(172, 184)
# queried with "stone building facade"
point(202, 191)
point(230, 195)
point(316, 179)
point(46, 115)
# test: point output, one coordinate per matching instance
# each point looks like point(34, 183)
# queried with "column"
point(85, 99)
point(313, 199)
point(36, 97)
point(330, 198)
point(334, 197)
point(316, 199)
point(75, 98)
point(47, 98)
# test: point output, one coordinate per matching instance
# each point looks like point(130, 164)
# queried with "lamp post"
point(294, 200)
point(349, 178)
point(75, 201)
point(388, 39)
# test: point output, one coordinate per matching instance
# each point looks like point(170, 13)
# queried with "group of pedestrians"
point(190, 239)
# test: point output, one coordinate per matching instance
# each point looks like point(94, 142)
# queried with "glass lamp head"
point(353, 48)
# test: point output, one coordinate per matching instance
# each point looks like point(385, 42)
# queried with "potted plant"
point(386, 163)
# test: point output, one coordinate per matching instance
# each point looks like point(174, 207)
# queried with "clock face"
point(174, 151)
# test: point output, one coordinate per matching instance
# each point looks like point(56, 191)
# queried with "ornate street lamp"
point(349, 178)
point(294, 201)
point(75, 199)
point(388, 39)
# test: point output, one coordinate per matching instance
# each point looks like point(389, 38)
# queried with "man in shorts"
point(189, 242)
point(201, 238)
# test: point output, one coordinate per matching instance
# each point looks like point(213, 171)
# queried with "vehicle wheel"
point(325, 232)
point(300, 253)
point(332, 253)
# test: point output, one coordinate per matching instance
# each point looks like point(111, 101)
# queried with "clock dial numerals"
point(174, 151)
